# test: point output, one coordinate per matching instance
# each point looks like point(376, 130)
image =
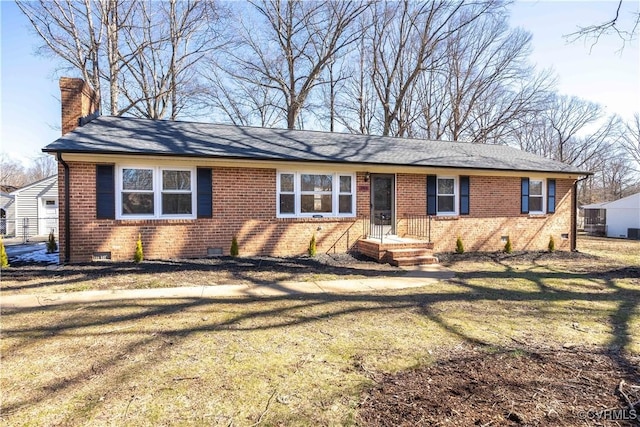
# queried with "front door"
point(383, 191)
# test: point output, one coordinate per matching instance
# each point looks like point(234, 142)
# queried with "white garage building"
point(620, 218)
point(36, 208)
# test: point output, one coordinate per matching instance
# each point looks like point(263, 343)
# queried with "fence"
point(28, 227)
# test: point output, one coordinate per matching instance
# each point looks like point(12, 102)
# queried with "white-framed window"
point(447, 200)
point(536, 196)
point(315, 194)
point(155, 192)
point(286, 193)
point(345, 195)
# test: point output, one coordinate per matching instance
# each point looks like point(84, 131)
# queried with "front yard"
point(43, 278)
point(332, 359)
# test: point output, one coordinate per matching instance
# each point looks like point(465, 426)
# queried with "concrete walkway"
point(415, 277)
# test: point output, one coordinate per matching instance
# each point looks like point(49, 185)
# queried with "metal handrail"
point(347, 232)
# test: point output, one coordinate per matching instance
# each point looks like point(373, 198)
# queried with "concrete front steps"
point(398, 251)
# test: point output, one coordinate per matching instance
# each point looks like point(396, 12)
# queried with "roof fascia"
point(33, 184)
point(160, 160)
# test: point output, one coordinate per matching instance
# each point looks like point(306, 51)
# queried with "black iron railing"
point(348, 238)
point(379, 228)
point(418, 226)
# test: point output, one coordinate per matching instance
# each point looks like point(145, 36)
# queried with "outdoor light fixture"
point(366, 177)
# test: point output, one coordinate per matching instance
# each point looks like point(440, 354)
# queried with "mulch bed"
point(321, 263)
point(511, 388)
point(516, 256)
point(195, 272)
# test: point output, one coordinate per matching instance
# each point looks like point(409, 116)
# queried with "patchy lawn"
point(530, 339)
point(30, 277)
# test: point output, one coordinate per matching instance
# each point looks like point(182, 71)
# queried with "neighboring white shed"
point(621, 217)
point(36, 208)
point(7, 215)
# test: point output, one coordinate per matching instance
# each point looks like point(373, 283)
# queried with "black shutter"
point(464, 195)
point(205, 193)
point(524, 196)
point(432, 204)
point(551, 196)
point(105, 192)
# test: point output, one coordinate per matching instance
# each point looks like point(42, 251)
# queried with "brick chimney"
point(78, 101)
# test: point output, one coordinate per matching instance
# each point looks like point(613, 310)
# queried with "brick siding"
point(494, 213)
point(244, 205)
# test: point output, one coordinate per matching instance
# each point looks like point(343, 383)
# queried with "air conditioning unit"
point(633, 233)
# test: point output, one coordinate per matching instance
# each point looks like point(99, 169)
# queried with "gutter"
point(67, 211)
point(573, 246)
point(359, 164)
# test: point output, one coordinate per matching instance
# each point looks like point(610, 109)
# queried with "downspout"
point(67, 211)
point(574, 215)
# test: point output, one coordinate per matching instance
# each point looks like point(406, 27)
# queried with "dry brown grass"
point(191, 272)
point(301, 360)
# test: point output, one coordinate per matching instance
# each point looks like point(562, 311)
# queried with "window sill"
point(446, 217)
point(538, 215)
point(155, 221)
point(316, 219)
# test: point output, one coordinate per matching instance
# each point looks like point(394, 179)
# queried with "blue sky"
point(29, 94)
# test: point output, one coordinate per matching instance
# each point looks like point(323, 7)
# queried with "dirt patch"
point(576, 262)
point(29, 277)
point(521, 256)
point(532, 388)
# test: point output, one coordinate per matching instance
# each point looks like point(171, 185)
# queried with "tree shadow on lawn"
point(287, 268)
point(274, 312)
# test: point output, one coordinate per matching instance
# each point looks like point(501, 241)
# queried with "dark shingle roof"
point(119, 135)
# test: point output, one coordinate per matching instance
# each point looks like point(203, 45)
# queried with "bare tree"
point(12, 173)
point(355, 102)
point(613, 177)
point(145, 52)
point(70, 32)
point(630, 139)
point(568, 116)
point(578, 132)
point(15, 174)
point(42, 166)
point(406, 41)
point(485, 84)
point(570, 130)
point(289, 50)
point(166, 42)
point(625, 30)
point(617, 177)
point(242, 105)
point(334, 80)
